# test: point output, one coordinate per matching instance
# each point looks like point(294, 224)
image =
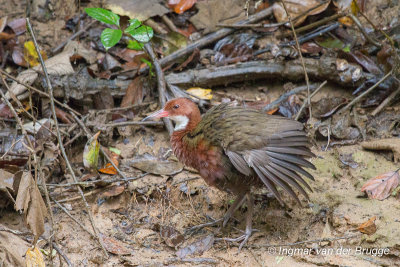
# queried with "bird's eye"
point(176, 106)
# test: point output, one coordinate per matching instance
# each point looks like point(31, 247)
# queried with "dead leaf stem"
point(301, 58)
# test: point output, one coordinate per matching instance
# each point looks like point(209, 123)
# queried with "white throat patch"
point(180, 122)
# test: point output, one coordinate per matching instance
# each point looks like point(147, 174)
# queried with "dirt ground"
point(138, 215)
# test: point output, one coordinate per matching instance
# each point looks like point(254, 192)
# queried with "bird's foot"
point(243, 238)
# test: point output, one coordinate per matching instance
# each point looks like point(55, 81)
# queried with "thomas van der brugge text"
point(289, 251)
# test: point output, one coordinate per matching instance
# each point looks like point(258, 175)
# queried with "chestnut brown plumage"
point(235, 149)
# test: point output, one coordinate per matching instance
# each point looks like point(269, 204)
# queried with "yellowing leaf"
point(200, 93)
point(91, 153)
point(30, 54)
point(34, 258)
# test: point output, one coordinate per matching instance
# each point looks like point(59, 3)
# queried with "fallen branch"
point(317, 69)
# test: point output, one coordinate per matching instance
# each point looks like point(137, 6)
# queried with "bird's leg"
point(236, 204)
point(249, 224)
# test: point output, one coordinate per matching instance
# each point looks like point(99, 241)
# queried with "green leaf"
point(134, 23)
point(110, 37)
point(103, 15)
point(115, 150)
point(142, 34)
point(148, 63)
point(135, 45)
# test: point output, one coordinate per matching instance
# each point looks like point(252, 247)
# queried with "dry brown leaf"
point(31, 202)
point(382, 185)
point(212, 12)
point(113, 191)
point(296, 8)
point(369, 227)
point(172, 237)
point(12, 249)
point(115, 246)
point(58, 65)
point(197, 248)
point(138, 9)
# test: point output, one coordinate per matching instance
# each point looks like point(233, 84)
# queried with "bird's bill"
point(158, 114)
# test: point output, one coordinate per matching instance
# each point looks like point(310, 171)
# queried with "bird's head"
point(183, 111)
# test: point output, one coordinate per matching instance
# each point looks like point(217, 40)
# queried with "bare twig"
point(312, 25)
point(72, 37)
point(361, 28)
point(301, 58)
point(39, 92)
point(123, 108)
point(169, 23)
point(88, 183)
point(50, 89)
point(358, 98)
point(311, 96)
point(157, 28)
point(73, 218)
point(127, 123)
point(283, 97)
point(62, 255)
point(386, 101)
point(161, 84)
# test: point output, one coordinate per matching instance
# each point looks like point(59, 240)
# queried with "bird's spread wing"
point(272, 147)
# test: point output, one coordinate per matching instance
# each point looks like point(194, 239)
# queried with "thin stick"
point(72, 37)
point(62, 255)
point(169, 23)
point(283, 97)
point(50, 89)
point(358, 98)
point(161, 84)
point(88, 183)
point(311, 96)
point(73, 218)
point(386, 101)
point(127, 123)
point(25, 111)
point(90, 135)
point(123, 108)
point(39, 92)
point(301, 58)
point(312, 25)
point(361, 28)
